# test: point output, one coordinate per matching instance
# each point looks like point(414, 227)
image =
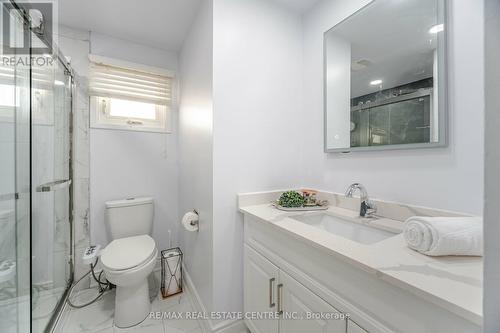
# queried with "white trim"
point(103, 121)
point(198, 305)
point(208, 326)
point(130, 65)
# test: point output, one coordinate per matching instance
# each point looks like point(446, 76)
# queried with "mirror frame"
point(442, 51)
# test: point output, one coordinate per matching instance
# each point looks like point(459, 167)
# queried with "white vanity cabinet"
point(297, 299)
point(269, 290)
point(352, 327)
point(260, 283)
point(284, 271)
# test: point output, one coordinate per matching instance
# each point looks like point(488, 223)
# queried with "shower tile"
point(81, 268)
point(8, 317)
point(81, 199)
point(81, 212)
point(60, 269)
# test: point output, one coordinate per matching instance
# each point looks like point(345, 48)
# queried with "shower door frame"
point(51, 324)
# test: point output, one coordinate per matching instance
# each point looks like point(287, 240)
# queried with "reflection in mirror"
point(385, 77)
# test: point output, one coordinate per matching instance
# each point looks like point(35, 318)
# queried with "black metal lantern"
point(171, 272)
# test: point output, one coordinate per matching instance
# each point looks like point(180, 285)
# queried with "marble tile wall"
point(81, 193)
point(75, 46)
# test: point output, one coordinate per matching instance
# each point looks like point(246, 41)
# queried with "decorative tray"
point(323, 205)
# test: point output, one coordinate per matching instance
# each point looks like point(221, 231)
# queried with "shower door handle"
point(54, 186)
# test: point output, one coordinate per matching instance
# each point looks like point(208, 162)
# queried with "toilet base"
point(132, 304)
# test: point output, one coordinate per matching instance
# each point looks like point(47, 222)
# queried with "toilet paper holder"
point(190, 221)
point(195, 223)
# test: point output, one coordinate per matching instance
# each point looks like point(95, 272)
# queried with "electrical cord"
point(103, 287)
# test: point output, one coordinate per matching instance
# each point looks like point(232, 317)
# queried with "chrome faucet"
point(367, 208)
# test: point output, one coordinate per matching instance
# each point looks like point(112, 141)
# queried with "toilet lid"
point(129, 252)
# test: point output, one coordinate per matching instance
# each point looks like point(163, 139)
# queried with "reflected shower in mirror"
point(385, 77)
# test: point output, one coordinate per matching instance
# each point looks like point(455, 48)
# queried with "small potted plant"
point(296, 201)
point(291, 199)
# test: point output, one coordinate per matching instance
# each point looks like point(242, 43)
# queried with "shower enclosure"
point(36, 250)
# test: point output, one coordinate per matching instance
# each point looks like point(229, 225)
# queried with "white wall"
point(492, 165)
point(128, 164)
point(195, 149)
point(258, 118)
point(107, 46)
point(449, 178)
point(131, 164)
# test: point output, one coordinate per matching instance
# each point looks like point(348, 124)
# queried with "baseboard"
point(208, 326)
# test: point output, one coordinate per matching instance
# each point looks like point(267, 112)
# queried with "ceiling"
point(298, 5)
point(163, 24)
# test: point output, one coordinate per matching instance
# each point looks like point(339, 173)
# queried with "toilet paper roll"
point(190, 221)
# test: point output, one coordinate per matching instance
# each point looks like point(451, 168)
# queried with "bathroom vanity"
point(350, 274)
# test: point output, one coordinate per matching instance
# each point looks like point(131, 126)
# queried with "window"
point(131, 99)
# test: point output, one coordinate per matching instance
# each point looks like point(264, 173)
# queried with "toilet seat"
point(127, 253)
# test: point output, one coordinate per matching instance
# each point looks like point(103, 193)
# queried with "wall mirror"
point(385, 77)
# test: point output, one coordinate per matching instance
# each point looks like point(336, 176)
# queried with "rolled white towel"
point(442, 236)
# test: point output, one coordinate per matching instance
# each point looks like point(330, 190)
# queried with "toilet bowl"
point(127, 263)
point(129, 259)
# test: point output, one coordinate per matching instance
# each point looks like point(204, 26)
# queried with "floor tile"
point(147, 326)
point(196, 330)
point(98, 317)
point(183, 324)
point(160, 304)
point(87, 295)
point(92, 318)
point(169, 329)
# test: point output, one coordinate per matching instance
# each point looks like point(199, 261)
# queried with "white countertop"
point(454, 283)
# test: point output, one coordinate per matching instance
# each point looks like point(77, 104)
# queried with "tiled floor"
point(98, 317)
point(14, 313)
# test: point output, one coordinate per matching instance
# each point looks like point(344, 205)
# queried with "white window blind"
point(129, 98)
point(122, 83)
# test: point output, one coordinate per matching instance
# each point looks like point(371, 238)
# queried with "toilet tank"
point(130, 217)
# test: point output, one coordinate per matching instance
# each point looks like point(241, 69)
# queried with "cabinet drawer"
point(352, 327)
point(314, 314)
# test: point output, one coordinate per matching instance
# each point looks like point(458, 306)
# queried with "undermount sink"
point(351, 230)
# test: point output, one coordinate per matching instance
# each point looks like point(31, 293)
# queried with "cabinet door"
point(260, 280)
point(296, 300)
point(352, 327)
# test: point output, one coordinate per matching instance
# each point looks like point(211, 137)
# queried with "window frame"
point(99, 113)
point(100, 118)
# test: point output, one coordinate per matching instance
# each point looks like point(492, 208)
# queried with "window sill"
point(130, 128)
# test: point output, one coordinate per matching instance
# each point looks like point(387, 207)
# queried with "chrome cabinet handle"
point(54, 186)
point(280, 298)
point(271, 292)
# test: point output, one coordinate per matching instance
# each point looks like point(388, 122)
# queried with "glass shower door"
point(51, 178)
point(15, 187)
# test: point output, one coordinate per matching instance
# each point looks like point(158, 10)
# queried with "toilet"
point(130, 257)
